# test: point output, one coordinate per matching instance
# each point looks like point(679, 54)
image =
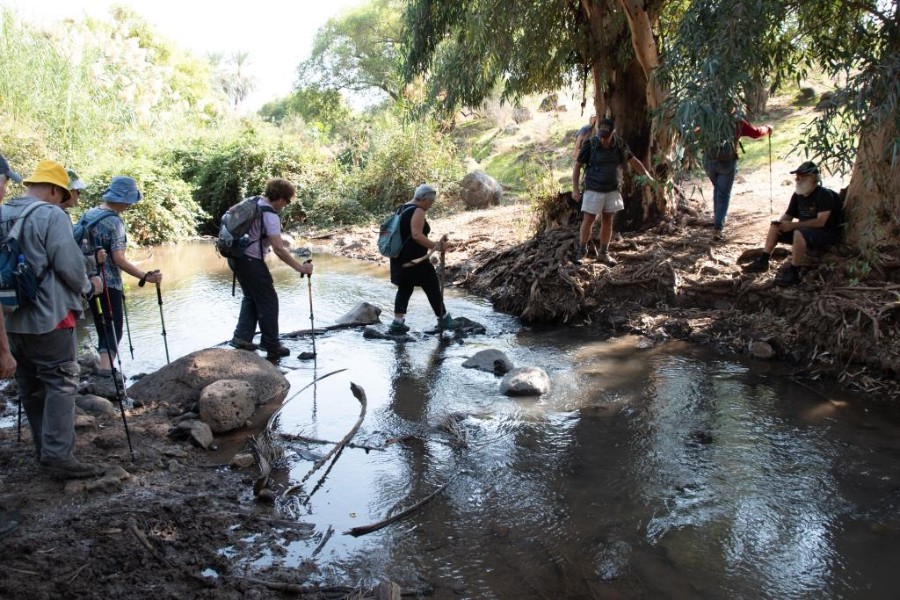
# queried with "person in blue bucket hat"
point(108, 233)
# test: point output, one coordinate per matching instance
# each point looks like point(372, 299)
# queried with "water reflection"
point(661, 472)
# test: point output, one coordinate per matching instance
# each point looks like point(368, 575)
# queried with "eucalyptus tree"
point(672, 73)
point(465, 49)
point(359, 51)
point(716, 49)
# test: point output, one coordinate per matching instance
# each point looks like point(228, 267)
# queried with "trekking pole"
point(771, 200)
point(19, 423)
point(162, 318)
point(312, 319)
point(127, 325)
point(441, 283)
point(120, 391)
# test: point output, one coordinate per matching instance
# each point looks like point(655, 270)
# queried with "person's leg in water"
point(401, 304)
point(430, 284)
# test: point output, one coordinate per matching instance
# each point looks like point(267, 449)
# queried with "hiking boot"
point(718, 234)
point(607, 259)
point(760, 264)
point(790, 276)
point(69, 468)
point(243, 344)
point(580, 254)
point(277, 352)
point(447, 322)
point(398, 328)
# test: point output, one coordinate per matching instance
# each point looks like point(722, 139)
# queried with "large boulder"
point(362, 314)
point(525, 381)
point(181, 382)
point(492, 361)
point(227, 404)
point(480, 190)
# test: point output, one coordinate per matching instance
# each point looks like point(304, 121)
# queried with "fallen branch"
point(132, 526)
point(360, 395)
point(365, 529)
point(324, 541)
point(293, 437)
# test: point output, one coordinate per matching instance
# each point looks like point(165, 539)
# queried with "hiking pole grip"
point(144, 278)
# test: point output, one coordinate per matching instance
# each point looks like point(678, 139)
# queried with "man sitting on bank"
point(818, 225)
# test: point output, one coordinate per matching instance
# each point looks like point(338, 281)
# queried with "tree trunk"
point(872, 207)
point(756, 95)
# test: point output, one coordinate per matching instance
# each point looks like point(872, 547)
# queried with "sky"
point(277, 34)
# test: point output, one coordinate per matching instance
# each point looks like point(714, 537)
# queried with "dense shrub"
point(166, 213)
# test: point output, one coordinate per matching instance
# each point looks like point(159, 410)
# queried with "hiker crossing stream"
point(646, 470)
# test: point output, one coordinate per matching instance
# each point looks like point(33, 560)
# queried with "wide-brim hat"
point(807, 168)
point(49, 171)
point(75, 183)
point(123, 190)
point(6, 170)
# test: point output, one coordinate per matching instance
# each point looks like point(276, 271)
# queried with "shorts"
point(596, 202)
point(815, 238)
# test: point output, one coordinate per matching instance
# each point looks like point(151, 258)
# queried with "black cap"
point(605, 127)
point(807, 168)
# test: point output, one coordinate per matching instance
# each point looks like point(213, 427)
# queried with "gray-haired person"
point(819, 217)
point(411, 268)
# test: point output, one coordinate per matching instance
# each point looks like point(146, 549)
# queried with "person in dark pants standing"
point(411, 268)
point(260, 303)
point(42, 333)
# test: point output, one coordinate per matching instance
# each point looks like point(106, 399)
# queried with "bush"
point(166, 213)
point(398, 159)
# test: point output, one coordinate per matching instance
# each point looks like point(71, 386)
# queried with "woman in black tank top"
point(410, 268)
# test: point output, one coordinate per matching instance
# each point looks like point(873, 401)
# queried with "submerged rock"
point(492, 361)
point(761, 350)
point(372, 333)
point(525, 381)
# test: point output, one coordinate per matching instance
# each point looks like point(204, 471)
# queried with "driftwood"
point(293, 437)
point(366, 529)
point(360, 394)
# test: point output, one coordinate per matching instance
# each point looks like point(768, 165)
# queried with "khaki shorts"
point(597, 202)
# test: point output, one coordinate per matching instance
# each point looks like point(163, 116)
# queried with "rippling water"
point(667, 472)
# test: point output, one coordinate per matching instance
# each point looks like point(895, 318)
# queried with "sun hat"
point(122, 190)
point(6, 170)
point(48, 171)
point(423, 191)
point(807, 168)
point(75, 184)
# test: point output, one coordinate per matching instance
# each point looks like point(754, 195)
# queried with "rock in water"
point(362, 314)
point(525, 381)
point(492, 361)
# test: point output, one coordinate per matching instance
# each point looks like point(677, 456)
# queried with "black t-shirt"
point(602, 164)
point(805, 208)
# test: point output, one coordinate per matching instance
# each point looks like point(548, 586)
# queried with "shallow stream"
point(661, 472)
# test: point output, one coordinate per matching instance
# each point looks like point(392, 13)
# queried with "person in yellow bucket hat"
point(42, 333)
point(49, 179)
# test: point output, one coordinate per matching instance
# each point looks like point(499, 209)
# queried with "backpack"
point(82, 230)
point(390, 242)
point(618, 144)
point(18, 281)
point(235, 224)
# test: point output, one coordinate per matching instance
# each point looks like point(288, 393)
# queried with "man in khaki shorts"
point(602, 156)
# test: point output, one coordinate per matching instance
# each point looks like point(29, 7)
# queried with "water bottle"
point(244, 241)
point(20, 264)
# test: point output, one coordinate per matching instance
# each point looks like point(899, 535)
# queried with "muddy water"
point(663, 472)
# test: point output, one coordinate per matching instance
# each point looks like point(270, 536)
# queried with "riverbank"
point(675, 282)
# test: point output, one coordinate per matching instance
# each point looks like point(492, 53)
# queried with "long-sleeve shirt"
point(50, 250)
